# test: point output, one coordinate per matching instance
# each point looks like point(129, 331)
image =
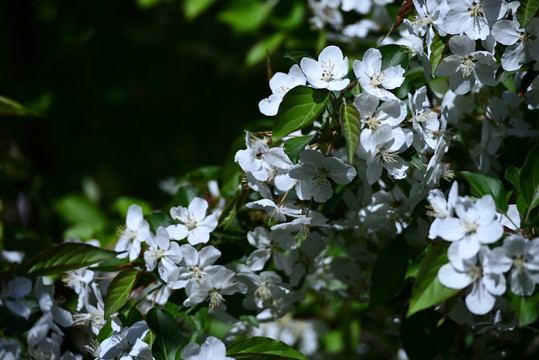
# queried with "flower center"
point(196, 273)
point(263, 291)
point(476, 10)
point(216, 299)
point(467, 66)
point(526, 39)
point(424, 115)
point(389, 156)
point(319, 178)
point(377, 79)
point(471, 227)
point(327, 71)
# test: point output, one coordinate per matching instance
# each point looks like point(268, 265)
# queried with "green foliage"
point(300, 107)
point(389, 271)
point(393, 55)
point(526, 11)
point(119, 290)
point(84, 216)
point(10, 107)
point(526, 308)
point(261, 348)
point(65, 257)
point(296, 55)
point(351, 128)
point(292, 147)
point(481, 185)
point(168, 336)
point(247, 15)
point(194, 8)
point(437, 51)
point(259, 51)
point(427, 290)
point(124, 202)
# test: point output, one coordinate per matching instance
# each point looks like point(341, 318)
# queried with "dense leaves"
point(261, 348)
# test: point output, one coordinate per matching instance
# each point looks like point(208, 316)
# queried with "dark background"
point(129, 95)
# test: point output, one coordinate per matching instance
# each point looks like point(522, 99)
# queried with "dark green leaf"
point(512, 174)
point(65, 257)
point(437, 51)
point(12, 108)
point(389, 271)
point(526, 11)
point(168, 335)
point(529, 178)
point(427, 290)
point(351, 128)
point(482, 185)
point(261, 348)
point(186, 194)
point(393, 55)
point(118, 291)
point(292, 147)
point(300, 107)
point(296, 55)
point(526, 308)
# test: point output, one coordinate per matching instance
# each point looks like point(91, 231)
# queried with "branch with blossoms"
point(347, 209)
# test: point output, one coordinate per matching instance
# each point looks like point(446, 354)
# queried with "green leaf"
point(393, 55)
point(119, 290)
point(437, 51)
point(122, 204)
point(351, 128)
point(512, 174)
point(65, 257)
point(526, 308)
point(258, 52)
point(389, 271)
point(79, 209)
point(526, 11)
point(246, 15)
point(261, 348)
point(300, 107)
point(292, 147)
point(294, 17)
point(529, 178)
point(482, 185)
point(194, 8)
point(146, 4)
point(10, 107)
point(427, 290)
point(168, 335)
point(296, 55)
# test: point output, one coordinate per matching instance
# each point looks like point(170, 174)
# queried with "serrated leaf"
point(118, 291)
point(526, 308)
point(351, 128)
point(292, 147)
point(393, 55)
point(526, 11)
point(296, 55)
point(261, 348)
point(481, 185)
point(389, 271)
point(427, 290)
point(436, 52)
point(194, 8)
point(300, 107)
point(10, 107)
point(512, 174)
point(168, 335)
point(529, 178)
point(65, 257)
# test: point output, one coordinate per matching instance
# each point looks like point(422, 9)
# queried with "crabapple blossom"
point(373, 114)
point(472, 17)
point(280, 84)
point(329, 71)
point(193, 267)
point(441, 208)
point(163, 251)
point(15, 289)
point(313, 172)
point(375, 81)
point(524, 258)
point(467, 66)
point(267, 243)
point(137, 231)
point(127, 341)
point(195, 225)
point(211, 349)
point(522, 44)
point(424, 120)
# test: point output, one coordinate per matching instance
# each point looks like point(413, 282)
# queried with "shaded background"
point(130, 95)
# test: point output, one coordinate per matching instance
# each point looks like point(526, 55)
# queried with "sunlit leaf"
point(300, 107)
point(436, 52)
point(118, 291)
point(526, 11)
point(351, 127)
point(65, 257)
point(525, 307)
point(259, 51)
point(194, 8)
point(261, 348)
point(481, 185)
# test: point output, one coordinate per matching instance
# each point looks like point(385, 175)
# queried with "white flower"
point(218, 281)
point(467, 66)
point(137, 230)
point(391, 112)
point(211, 349)
point(522, 44)
point(267, 243)
point(424, 120)
point(163, 251)
point(525, 260)
point(375, 81)
point(280, 84)
point(312, 172)
point(274, 211)
point(13, 290)
point(196, 226)
point(193, 267)
point(128, 342)
point(380, 148)
point(329, 71)
point(95, 315)
point(472, 17)
point(79, 280)
point(361, 28)
point(441, 208)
